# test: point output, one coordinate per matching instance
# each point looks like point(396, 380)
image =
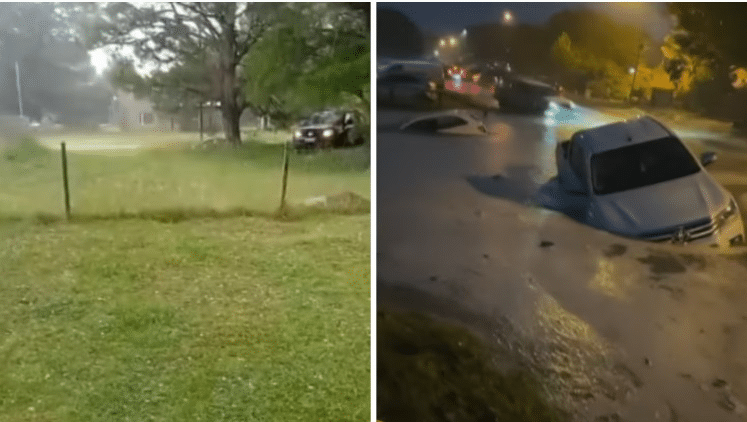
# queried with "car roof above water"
point(620, 134)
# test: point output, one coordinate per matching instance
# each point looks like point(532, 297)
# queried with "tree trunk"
point(230, 109)
point(229, 89)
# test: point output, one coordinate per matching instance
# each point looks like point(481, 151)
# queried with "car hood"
point(324, 126)
point(660, 206)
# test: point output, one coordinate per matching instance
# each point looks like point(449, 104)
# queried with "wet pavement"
point(618, 329)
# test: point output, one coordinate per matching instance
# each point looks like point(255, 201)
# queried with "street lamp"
point(507, 16)
point(442, 42)
point(635, 71)
point(452, 41)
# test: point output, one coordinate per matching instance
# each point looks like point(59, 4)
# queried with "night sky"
point(453, 17)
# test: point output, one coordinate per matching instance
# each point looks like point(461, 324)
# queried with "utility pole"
point(18, 88)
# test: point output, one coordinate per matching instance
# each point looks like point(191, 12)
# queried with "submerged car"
point(636, 178)
point(453, 122)
point(326, 129)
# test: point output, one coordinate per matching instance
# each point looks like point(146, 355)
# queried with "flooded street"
point(616, 328)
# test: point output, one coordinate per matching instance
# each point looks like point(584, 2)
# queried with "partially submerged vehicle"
point(328, 128)
point(452, 122)
point(636, 178)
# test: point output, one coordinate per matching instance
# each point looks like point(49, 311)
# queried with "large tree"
point(317, 55)
point(712, 31)
point(199, 46)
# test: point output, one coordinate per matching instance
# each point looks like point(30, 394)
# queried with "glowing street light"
point(631, 70)
point(507, 16)
point(442, 42)
point(452, 41)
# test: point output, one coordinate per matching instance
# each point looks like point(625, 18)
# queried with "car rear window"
point(641, 165)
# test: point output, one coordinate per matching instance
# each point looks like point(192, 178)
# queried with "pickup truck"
point(636, 178)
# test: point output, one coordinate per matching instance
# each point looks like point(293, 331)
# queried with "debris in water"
point(731, 403)
point(718, 383)
point(546, 243)
point(615, 250)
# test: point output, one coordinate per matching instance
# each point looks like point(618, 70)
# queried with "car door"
point(350, 128)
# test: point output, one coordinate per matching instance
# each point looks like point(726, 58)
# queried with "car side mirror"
point(707, 158)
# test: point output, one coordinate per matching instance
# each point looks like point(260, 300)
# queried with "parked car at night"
point(414, 89)
point(326, 129)
point(636, 178)
point(524, 95)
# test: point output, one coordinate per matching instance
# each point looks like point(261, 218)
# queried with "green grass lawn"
point(170, 178)
point(234, 319)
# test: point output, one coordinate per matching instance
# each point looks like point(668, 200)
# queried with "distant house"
point(128, 113)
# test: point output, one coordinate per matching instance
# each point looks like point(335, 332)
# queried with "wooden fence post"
point(64, 181)
point(286, 158)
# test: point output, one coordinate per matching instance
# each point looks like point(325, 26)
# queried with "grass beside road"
point(431, 371)
point(174, 178)
point(215, 320)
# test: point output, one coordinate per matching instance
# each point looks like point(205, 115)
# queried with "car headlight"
point(297, 134)
point(328, 133)
point(727, 213)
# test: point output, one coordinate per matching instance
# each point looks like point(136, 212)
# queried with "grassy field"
point(233, 319)
point(171, 176)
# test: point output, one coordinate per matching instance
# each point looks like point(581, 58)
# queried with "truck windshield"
point(323, 118)
point(641, 165)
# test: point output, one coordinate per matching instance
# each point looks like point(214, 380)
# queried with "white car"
point(637, 179)
point(454, 122)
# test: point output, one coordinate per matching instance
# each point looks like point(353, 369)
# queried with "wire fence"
point(255, 178)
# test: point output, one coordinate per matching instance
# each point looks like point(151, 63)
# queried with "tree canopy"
point(712, 31)
point(304, 62)
point(239, 55)
point(199, 46)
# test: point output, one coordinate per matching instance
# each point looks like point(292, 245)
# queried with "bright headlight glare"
point(728, 212)
point(328, 133)
point(297, 134)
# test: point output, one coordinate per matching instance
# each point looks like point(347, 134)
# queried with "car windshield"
point(641, 165)
point(322, 118)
